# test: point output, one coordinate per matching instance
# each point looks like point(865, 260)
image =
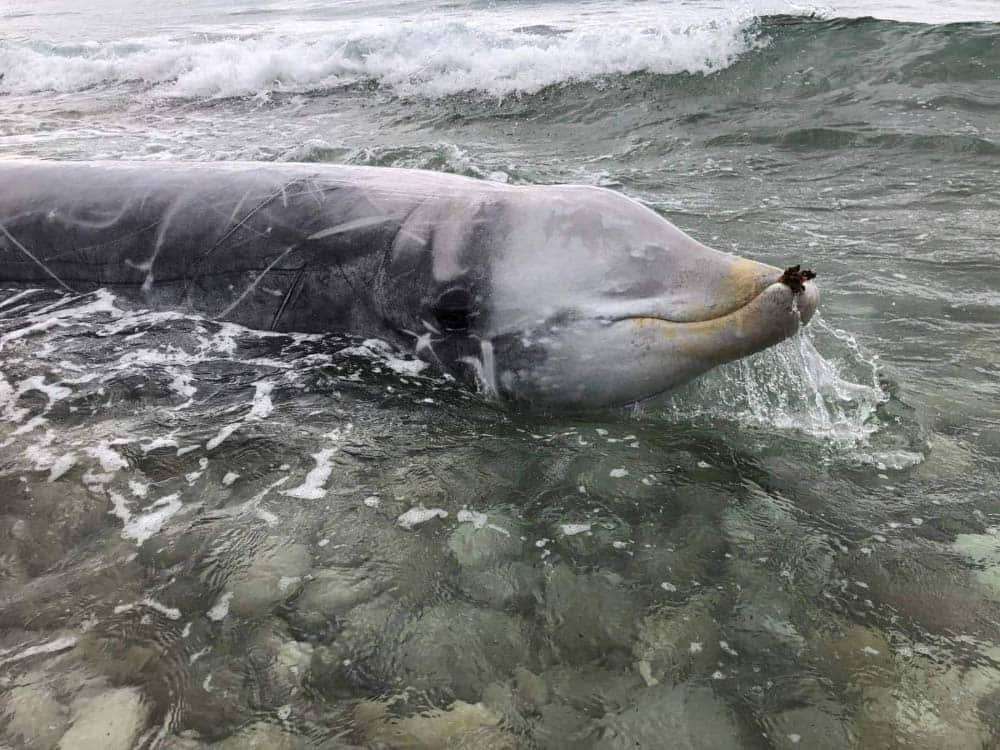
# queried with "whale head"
point(579, 298)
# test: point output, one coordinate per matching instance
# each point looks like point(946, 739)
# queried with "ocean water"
point(215, 537)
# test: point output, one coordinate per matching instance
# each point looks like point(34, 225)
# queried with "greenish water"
point(213, 536)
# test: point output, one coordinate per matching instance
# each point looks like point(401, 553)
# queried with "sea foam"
point(421, 59)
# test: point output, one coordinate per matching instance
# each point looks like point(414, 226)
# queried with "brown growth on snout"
point(795, 279)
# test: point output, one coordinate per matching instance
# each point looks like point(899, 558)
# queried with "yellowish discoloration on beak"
point(744, 280)
point(765, 319)
point(740, 282)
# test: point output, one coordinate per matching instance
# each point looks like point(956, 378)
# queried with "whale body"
point(549, 297)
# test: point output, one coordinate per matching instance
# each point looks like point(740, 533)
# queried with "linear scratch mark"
point(239, 205)
point(39, 263)
point(289, 296)
point(256, 281)
point(161, 232)
point(232, 230)
point(350, 226)
point(315, 192)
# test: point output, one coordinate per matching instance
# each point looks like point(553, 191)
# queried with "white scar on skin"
point(350, 226)
point(37, 262)
point(147, 265)
point(485, 368)
point(256, 281)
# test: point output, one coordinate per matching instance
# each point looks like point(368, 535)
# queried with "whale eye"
point(453, 310)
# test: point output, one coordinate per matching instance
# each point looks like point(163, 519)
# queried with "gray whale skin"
point(548, 297)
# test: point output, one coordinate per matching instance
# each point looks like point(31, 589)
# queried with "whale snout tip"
point(805, 293)
point(795, 278)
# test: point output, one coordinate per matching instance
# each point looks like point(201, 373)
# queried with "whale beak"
point(772, 304)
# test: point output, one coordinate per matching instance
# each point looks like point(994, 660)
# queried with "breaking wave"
point(444, 59)
point(418, 59)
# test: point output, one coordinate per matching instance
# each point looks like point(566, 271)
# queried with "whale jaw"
point(601, 364)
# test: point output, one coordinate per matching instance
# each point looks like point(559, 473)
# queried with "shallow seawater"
point(215, 537)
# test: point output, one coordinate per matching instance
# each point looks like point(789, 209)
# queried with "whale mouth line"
point(794, 278)
point(718, 318)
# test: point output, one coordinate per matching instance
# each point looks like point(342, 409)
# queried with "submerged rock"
point(363, 651)
point(273, 575)
point(764, 632)
point(949, 705)
point(590, 689)
point(679, 717)
point(502, 586)
point(983, 551)
point(531, 691)
point(62, 514)
point(407, 564)
point(562, 727)
point(262, 736)
point(333, 591)
point(32, 717)
point(483, 540)
point(874, 718)
point(854, 657)
point(807, 727)
point(677, 642)
point(462, 726)
point(460, 649)
point(684, 556)
point(13, 570)
point(220, 695)
point(589, 616)
point(486, 547)
point(499, 697)
point(175, 742)
point(761, 625)
point(111, 720)
point(280, 662)
point(763, 529)
point(921, 584)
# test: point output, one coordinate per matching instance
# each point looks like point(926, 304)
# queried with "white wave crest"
point(415, 59)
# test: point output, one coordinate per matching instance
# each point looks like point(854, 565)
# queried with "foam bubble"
point(62, 465)
point(262, 404)
point(478, 520)
point(141, 527)
point(171, 613)
point(418, 515)
point(51, 647)
point(385, 354)
point(220, 609)
point(313, 487)
point(222, 434)
point(108, 457)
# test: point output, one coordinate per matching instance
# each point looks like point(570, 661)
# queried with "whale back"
point(276, 247)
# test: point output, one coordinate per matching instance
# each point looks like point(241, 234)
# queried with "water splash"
point(818, 382)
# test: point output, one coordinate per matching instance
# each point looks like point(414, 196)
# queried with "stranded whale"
point(548, 296)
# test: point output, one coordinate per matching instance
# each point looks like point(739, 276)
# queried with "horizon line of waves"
point(417, 59)
point(436, 60)
point(793, 387)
